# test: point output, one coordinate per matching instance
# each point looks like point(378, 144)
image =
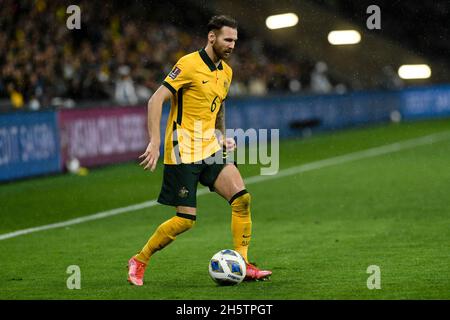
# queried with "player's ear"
point(211, 37)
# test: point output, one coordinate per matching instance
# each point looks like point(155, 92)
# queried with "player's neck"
point(211, 54)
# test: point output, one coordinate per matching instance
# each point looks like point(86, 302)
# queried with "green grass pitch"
point(317, 230)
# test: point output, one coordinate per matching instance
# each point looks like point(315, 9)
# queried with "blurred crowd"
point(122, 60)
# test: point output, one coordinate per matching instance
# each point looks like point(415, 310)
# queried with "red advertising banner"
point(102, 136)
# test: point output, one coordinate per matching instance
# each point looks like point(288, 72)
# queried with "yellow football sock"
point(241, 222)
point(165, 234)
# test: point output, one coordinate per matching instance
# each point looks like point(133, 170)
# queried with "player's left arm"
point(229, 143)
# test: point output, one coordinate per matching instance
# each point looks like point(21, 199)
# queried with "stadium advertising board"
point(294, 115)
point(102, 136)
point(427, 102)
point(29, 145)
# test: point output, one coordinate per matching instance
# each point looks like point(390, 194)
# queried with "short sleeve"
point(179, 77)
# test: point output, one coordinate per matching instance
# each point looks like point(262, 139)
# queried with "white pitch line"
point(358, 155)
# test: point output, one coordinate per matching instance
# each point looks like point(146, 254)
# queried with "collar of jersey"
point(208, 61)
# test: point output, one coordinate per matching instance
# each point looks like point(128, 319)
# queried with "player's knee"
point(240, 203)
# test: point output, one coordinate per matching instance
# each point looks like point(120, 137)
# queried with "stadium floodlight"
point(343, 37)
point(414, 71)
point(279, 21)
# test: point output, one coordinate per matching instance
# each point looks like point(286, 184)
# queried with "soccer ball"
point(227, 267)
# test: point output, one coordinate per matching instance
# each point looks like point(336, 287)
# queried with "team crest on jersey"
point(174, 73)
point(183, 193)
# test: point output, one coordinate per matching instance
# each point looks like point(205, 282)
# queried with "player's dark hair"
point(217, 22)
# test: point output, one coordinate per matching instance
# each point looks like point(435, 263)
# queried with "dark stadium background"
point(364, 155)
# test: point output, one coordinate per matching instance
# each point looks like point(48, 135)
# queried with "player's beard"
point(221, 53)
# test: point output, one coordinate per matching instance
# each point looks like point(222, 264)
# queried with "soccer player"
point(198, 85)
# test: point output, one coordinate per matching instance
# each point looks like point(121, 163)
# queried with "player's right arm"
point(151, 154)
point(176, 79)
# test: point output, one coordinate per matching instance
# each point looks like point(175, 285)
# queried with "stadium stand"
point(46, 64)
point(122, 51)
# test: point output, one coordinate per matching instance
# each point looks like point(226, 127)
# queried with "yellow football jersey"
point(199, 88)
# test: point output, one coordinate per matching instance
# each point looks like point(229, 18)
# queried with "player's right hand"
point(150, 156)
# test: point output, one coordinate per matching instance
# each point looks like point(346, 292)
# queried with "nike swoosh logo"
point(203, 81)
